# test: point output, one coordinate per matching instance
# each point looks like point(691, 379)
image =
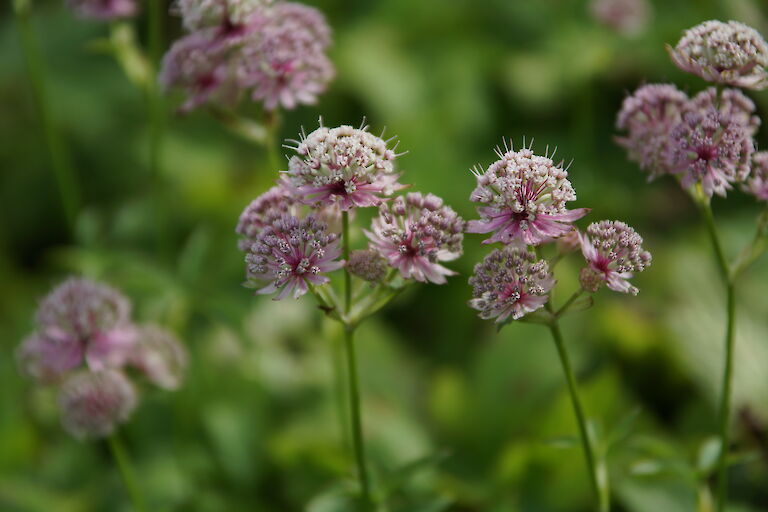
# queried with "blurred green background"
point(484, 416)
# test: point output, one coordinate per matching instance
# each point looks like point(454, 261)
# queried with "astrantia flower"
point(510, 282)
point(414, 233)
point(368, 265)
point(711, 148)
point(614, 254)
point(104, 10)
point(757, 185)
point(93, 404)
point(199, 14)
point(290, 254)
point(262, 211)
point(525, 197)
point(627, 17)
point(648, 116)
point(79, 320)
point(345, 166)
point(727, 53)
point(160, 356)
point(286, 64)
point(208, 70)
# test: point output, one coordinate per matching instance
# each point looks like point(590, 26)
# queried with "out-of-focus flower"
point(510, 282)
point(414, 233)
point(726, 53)
point(290, 254)
point(569, 242)
point(104, 10)
point(627, 17)
point(757, 185)
point(368, 265)
point(711, 148)
point(614, 253)
point(345, 166)
point(200, 14)
point(79, 320)
point(731, 103)
point(287, 63)
point(93, 404)
point(648, 117)
point(160, 356)
point(525, 197)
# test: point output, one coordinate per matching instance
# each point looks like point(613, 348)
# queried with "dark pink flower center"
point(706, 152)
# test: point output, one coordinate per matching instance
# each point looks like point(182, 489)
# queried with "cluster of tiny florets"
point(343, 166)
point(368, 265)
point(710, 148)
point(290, 255)
point(524, 197)
point(276, 53)
point(415, 232)
point(103, 10)
point(614, 253)
point(262, 211)
point(726, 53)
point(85, 341)
point(510, 282)
point(732, 103)
point(647, 117)
point(757, 185)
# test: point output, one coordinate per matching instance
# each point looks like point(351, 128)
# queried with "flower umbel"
point(757, 185)
point(199, 14)
point(510, 282)
point(290, 254)
point(414, 233)
point(262, 211)
point(525, 197)
point(104, 10)
point(160, 356)
point(345, 166)
point(627, 17)
point(648, 116)
point(614, 253)
point(93, 404)
point(726, 53)
point(79, 320)
point(368, 265)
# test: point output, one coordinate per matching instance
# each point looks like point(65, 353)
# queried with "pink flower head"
point(93, 404)
point(103, 10)
point(290, 254)
point(524, 197)
point(614, 253)
point(345, 166)
point(262, 211)
point(80, 320)
point(414, 233)
point(729, 53)
point(711, 148)
point(732, 103)
point(286, 65)
point(368, 265)
point(205, 67)
point(160, 356)
point(627, 17)
point(648, 116)
point(757, 185)
point(510, 282)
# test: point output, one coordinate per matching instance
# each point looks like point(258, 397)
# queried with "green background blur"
point(485, 415)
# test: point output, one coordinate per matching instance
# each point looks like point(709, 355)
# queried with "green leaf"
point(709, 451)
point(562, 442)
point(623, 428)
point(400, 476)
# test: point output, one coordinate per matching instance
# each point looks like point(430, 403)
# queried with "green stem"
point(345, 256)
point(126, 471)
point(570, 301)
point(60, 159)
point(354, 408)
point(727, 382)
point(603, 497)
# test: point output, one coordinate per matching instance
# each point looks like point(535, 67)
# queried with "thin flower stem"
point(603, 497)
point(570, 301)
point(727, 382)
point(60, 160)
point(345, 256)
point(354, 408)
point(127, 474)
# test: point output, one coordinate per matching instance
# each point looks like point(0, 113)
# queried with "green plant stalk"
point(603, 496)
point(345, 256)
point(59, 154)
point(126, 471)
point(726, 388)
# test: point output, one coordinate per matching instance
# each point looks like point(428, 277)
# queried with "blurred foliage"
point(457, 417)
